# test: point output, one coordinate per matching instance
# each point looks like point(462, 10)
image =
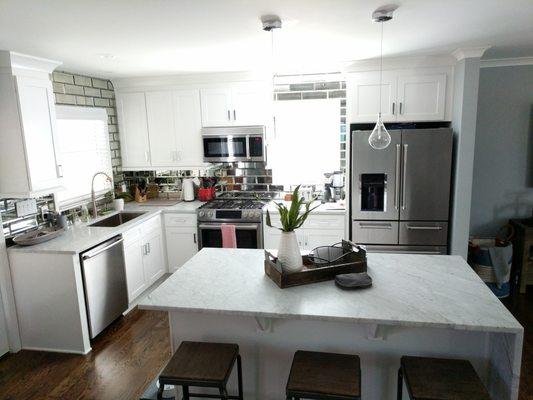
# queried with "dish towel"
point(229, 237)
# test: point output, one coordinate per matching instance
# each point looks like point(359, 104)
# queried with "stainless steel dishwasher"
point(104, 280)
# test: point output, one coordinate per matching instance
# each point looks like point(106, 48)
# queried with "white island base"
point(418, 305)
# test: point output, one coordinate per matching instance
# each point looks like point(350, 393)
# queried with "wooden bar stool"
point(440, 379)
point(324, 376)
point(201, 364)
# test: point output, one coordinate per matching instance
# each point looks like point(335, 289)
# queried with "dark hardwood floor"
point(124, 360)
point(129, 355)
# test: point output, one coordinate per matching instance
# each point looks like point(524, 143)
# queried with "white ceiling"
point(155, 37)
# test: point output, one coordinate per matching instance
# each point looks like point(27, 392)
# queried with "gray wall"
point(503, 161)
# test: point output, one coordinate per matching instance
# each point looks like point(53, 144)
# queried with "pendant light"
point(380, 139)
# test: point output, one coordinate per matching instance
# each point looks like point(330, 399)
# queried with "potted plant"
point(291, 219)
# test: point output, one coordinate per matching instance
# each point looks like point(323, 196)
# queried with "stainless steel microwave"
point(235, 143)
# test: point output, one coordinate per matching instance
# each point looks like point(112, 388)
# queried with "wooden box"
point(310, 273)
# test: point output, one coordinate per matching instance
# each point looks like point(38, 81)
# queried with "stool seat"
point(442, 379)
point(317, 375)
point(198, 363)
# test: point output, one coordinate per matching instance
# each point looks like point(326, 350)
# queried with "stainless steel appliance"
point(242, 209)
point(104, 280)
point(235, 143)
point(401, 194)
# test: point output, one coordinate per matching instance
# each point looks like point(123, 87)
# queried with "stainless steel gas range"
point(242, 209)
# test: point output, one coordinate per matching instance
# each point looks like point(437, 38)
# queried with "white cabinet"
point(405, 96)
point(181, 239)
point(160, 129)
point(318, 230)
point(134, 143)
point(235, 104)
point(30, 164)
point(143, 256)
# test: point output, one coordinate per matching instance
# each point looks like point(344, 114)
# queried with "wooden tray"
point(310, 273)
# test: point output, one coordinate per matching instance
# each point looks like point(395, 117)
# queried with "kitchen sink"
point(117, 219)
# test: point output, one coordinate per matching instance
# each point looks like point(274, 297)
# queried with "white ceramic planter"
point(289, 252)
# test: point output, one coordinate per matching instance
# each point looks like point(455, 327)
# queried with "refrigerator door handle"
point(424, 228)
point(397, 177)
point(404, 177)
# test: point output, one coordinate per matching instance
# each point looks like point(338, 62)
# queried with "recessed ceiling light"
point(106, 56)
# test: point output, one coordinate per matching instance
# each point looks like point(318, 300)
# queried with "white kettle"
point(187, 190)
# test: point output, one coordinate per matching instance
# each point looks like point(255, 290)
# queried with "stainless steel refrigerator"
point(400, 196)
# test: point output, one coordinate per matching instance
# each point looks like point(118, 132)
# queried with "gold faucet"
point(93, 197)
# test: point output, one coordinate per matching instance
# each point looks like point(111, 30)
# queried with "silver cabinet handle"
point(229, 116)
point(100, 251)
point(424, 228)
point(149, 249)
point(397, 177)
point(194, 237)
point(375, 226)
point(234, 115)
point(145, 251)
point(404, 178)
point(60, 171)
point(248, 147)
point(393, 107)
point(401, 112)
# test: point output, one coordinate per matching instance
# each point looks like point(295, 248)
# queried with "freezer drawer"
point(375, 232)
point(429, 250)
point(424, 233)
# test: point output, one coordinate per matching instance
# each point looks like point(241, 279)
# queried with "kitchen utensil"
point(38, 236)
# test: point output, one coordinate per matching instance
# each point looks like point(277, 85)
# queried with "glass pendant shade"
point(379, 139)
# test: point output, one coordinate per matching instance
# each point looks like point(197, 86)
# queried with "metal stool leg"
point(239, 376)
point(400, 383)
point(186, 393)
point(160, 391)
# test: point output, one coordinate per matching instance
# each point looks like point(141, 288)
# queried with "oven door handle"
point(237, 226)
point(248, 147)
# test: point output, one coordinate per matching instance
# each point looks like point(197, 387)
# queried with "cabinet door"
point(133, 258)
point(421, 97)
point(316, 238)
point(271, 237)
point(182, 244)
point(250, 104)
point(187, 122)
point(153, 260)
point(161, 129)
point(363, 97)
point(134, 143)
point(37, 112)
point(216, 106)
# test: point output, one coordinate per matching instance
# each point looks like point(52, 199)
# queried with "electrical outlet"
point(26, 207)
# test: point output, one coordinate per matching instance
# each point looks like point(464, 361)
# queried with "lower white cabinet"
point(318, 230)
point(143, 256)
point(181, 239)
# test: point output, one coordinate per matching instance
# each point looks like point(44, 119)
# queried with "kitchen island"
point(418, 305)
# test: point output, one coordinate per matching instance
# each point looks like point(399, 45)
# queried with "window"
point(307, 141)
point(83, 151)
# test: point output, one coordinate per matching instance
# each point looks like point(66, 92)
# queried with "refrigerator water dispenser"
point(373, 190)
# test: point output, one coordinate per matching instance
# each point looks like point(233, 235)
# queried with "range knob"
point(201, 213)
point(210, 214)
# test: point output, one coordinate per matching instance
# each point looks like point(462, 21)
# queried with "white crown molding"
point(469, 52)
point(30, 63)
point(506, 62)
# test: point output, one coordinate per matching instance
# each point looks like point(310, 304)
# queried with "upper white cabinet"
point(134, 143)
point(30, 164)
point(404, 97)
point(160, 129)
point(235, 104)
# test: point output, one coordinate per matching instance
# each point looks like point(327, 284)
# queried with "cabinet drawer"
point(424, 233)
point(180, 220)
point(151, 224)
point(325, 222)
point(375, 232)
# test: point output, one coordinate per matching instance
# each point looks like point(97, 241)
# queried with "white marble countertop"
point(81, 237)
point(323, 209)
point(408, 290)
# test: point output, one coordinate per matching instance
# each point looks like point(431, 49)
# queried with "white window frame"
point(84, 113)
